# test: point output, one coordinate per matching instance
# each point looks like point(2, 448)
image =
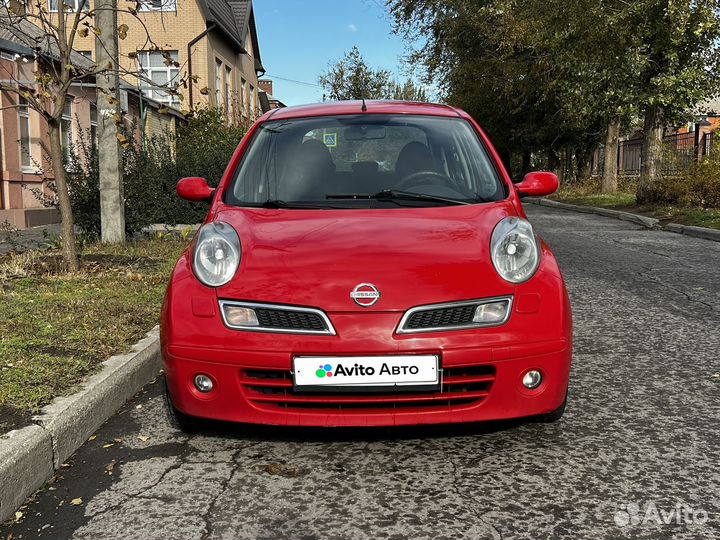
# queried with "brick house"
point(267, 100)
point(25, 171)
point(215, 40)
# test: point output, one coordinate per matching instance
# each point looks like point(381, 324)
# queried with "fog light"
point(492, 312)
point(203, 383)
point(240, 316)
point(532, 379)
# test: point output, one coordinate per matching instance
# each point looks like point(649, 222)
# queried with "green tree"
point(496, 63)
point(408, 91)
point(549, 75)
point(680, 46)
point(351, 78)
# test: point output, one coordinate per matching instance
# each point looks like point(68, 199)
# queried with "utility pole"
point(112, 201)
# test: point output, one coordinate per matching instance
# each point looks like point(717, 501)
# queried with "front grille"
point(450, 316)
point(281, 318)
point(298, 320)
point(461, 386)
point(433, 318)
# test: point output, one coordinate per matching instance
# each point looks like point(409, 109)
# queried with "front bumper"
point(482, 367)
point(256, 387)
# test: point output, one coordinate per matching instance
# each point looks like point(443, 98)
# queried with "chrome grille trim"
point(401, 328)
point(329, 330)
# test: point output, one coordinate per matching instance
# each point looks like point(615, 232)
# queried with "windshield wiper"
point(279, 203)
point(390, 194)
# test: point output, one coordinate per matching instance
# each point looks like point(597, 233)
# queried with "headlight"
point(514, 250)
point(217, 254)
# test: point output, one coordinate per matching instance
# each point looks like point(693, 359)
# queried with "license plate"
point(350, 372)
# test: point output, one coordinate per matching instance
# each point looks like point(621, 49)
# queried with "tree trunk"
point(526, 161)
point(66, 215)
point(651, 160)
point(610, 162)
point(555, 164)
point(505, 157)
point(583, 157)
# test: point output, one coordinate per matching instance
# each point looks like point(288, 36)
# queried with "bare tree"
point(49, 37)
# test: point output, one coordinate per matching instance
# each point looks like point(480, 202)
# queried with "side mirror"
point(538, 184)
point(194, 189)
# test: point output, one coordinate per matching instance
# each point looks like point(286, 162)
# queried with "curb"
point(697, 232)
point(647, 222)
point(29, 456)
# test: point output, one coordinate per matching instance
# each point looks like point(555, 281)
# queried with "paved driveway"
point(636, 456)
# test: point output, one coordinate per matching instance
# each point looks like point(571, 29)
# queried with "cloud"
point(352, 27)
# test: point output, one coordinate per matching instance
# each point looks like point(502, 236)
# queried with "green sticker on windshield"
point(330, 139)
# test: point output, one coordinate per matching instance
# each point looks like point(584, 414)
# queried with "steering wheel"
point(427, 178)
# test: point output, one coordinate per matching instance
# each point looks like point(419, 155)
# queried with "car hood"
point(414, 256)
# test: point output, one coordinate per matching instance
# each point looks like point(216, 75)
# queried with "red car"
point(366, 264)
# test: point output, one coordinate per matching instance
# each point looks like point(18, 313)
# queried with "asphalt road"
point(637, 454)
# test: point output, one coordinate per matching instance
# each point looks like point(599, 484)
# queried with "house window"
point(218, 82)
point(252, 99)
point(153, 67)
point(73, 5)
point(93, 125)
point(228, 88)
point(66, 130)
point(25, 135)
point(243, 95)
point(158, 5)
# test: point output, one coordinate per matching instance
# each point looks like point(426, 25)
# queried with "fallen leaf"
point(138, 406)
point(18, 516)
point(76, 502)
point(143, 438)
point(92, 437)
point(108, 445)
point(117, 440)
point(273, 468)
point(110, 466)
point(282, 469)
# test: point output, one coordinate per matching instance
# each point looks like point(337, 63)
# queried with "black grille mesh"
point(435, 318)
point(289, 320)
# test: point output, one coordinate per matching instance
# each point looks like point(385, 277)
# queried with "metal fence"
point(680, 151)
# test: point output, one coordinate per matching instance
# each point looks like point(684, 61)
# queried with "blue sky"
point(298, 38)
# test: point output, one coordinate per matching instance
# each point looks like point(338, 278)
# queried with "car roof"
point(330, 108)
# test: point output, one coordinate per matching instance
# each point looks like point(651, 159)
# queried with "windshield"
point(365, 161)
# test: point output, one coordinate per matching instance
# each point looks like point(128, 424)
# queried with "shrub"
point(703, 182)
point(699, 186)
point(202, 147)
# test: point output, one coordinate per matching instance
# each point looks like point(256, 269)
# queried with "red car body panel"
point(415, 256)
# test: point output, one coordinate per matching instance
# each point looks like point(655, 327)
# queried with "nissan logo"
point(365, 294)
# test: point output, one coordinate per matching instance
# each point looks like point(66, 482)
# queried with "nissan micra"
point(366, 264)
